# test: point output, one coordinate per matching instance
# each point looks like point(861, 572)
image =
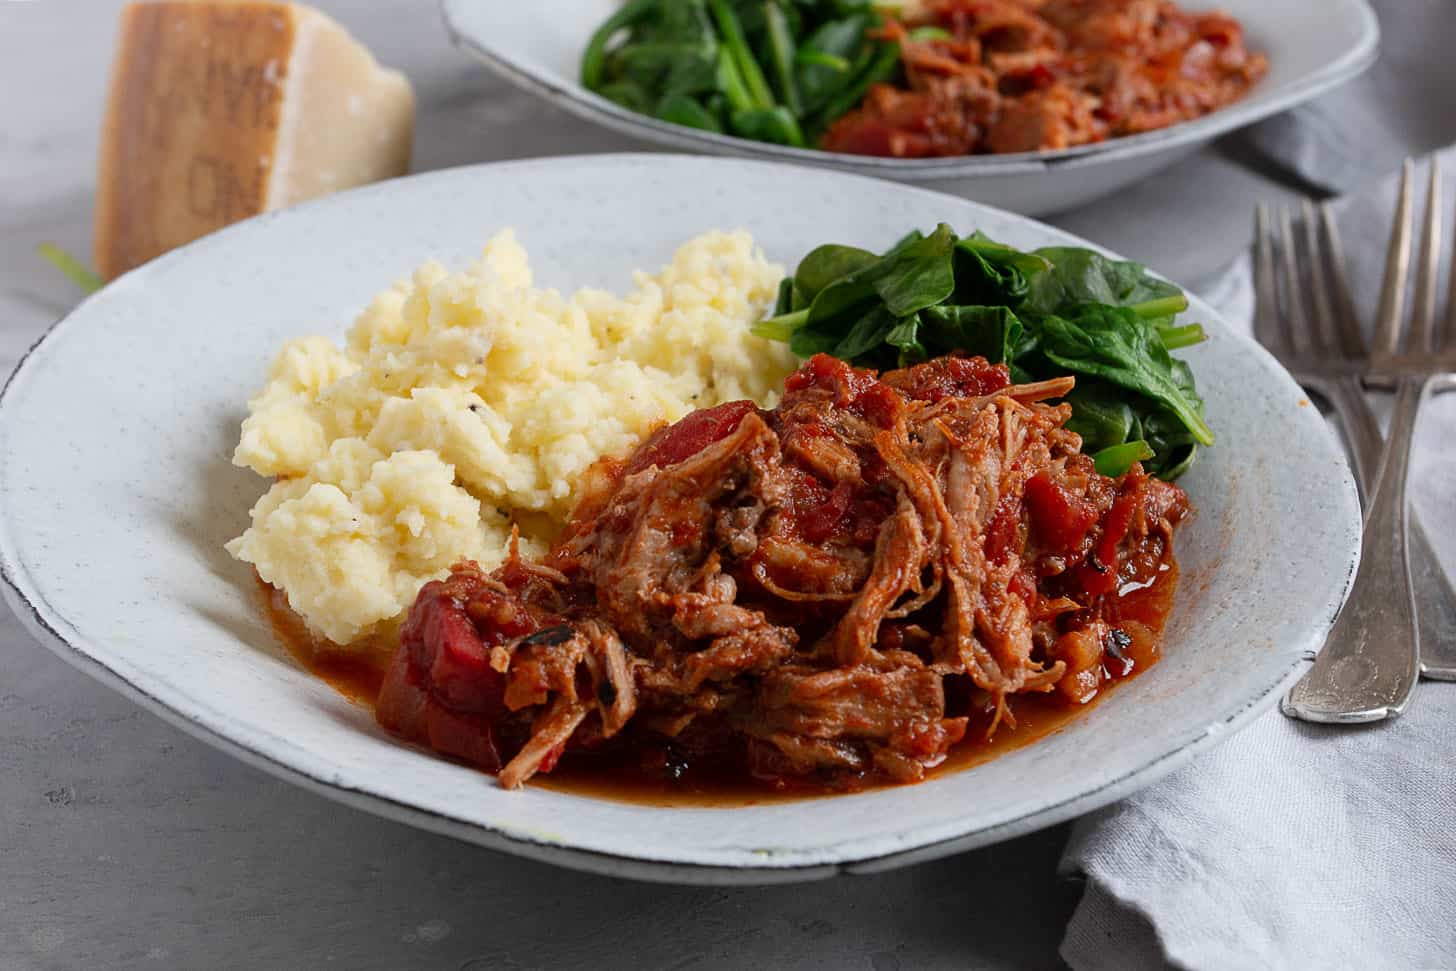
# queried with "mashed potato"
point(461, 403)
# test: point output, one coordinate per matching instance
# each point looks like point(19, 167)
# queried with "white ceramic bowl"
point(1313, 45)
point(116, 495)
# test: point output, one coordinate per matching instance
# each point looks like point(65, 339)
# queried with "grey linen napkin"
point(1405, 104)
point(1293, 845)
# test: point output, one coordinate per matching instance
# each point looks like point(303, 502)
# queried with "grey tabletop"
point(126, 843)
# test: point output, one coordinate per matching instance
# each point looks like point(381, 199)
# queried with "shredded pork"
point(834, 590)
point(1031, 75)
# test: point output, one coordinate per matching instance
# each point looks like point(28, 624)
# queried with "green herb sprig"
point(73, 269)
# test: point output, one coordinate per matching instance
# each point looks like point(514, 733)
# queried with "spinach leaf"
point(980, 281)
point(628, 94)
point(905, 338)
point(1082, 276)
point(1115, 460)
point(991, 332)
point(666, 67)
point(866, 336)
point(1173, 445)
point(735, 43)
point(808, 341)
point(823, 60)
point(730, 84)
point(594, 59)
point(785, 300)
point(823, 266)
point(1101, 414)
point(920, 273)
point(781, 55)
point(876, 65)
point(834, 302)
point(1113, 343)
point(683, 110)
point(1029, 264)
point(775, 125)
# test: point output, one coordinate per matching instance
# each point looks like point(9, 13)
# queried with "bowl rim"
point(570, 96)
point(50, 626)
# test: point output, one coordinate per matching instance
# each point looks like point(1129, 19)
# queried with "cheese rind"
point(220, 111)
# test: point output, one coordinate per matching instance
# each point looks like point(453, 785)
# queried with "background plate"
point(1312, 45)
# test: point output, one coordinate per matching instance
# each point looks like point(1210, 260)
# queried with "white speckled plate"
point(116, 496)
point(1312, 45)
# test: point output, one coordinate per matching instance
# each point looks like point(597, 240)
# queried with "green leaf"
point(823, 266)
point(734, 42)
point(775, 125)
point(593, 59)
point(807, 342)
point(1173, 445)
point(920, 274)
point(668, 68)
point(824, 59)
point(1082, 276)
point(730, 83)
point(1114, 344)
point(905, 338)
point(628, 94)
point(785, 301)
point(991, 332)
point(1117, 459)
point(781, 55)
point(880, 66)
point(1000, 254)
point(841, 302)
point(981, 281)
point(867, 334)
point(807, 57)
point(1101, 414)
point(683, 110)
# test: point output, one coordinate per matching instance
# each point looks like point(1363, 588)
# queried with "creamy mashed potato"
point(460, 403)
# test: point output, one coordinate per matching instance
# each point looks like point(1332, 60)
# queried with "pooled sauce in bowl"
point(774, 604)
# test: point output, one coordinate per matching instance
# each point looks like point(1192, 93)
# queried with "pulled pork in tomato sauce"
point(1030, 75)
point(828, 591)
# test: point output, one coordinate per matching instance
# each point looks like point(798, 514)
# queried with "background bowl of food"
point(1036, 107)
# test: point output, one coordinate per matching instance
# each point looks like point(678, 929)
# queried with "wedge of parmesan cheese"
point(222, 110)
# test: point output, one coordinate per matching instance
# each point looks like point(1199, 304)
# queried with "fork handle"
point(1347, 395)
point(1434, 595)
point(1371, 661)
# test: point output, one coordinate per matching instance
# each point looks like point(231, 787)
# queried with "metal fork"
point(1329, 325)
point(1368, 668)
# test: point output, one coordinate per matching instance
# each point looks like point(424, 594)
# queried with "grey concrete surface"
point(126, 844)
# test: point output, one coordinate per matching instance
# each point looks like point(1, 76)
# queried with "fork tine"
point(1397, 270)
point(1323, 333)
point(1295, 321)
point(1266, 303)
point(1448, 337)
point(1347, 321)
point(1428, 268)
